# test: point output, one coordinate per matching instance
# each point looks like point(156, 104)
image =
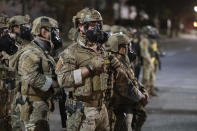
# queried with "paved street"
point(175, 109)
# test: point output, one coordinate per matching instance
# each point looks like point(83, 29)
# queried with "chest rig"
point(46, 68)
point(93, 86)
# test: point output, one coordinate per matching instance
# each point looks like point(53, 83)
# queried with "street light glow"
point(195, 24)
point(195, 8)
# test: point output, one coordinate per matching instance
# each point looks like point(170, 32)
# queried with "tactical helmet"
point(3, 22)
point(115, 29)
point(18, 20)
point(87, 15)
point(124, 30)
point(41, 22)
point(115, 41)
point(106, 28)
point(53, 22)
point(119, 29)
point(152, 32)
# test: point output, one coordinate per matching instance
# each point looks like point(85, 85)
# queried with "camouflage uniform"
point(126, 88)
point(156, 59)
point(6, 76)
point(148, 75)
point(89, 90)
point(17, 21)
point(154, 55)
point(154, 35)
point(35, 68)
point(7, 82)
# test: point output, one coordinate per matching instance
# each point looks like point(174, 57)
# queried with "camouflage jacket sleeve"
point(67, 73)
point(129, 89)
point(144, 47)
point(29, 69)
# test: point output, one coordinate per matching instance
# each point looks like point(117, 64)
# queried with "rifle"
point(62, 100)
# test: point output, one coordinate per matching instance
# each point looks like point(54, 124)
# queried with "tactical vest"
point(93, 86)
point(44, 68)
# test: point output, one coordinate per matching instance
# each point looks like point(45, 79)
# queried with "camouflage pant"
point(3, 102)
point(124, 117)
point(112, 118)
point(4, 111)
point(94, 119)
point(139, 117)
point(148, 78)
point(35, 116)
point(15, 114)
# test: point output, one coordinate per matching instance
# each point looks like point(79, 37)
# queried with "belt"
point(34, 98)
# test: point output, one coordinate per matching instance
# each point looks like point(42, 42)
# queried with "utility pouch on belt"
point(71, 108)
point(96, 83)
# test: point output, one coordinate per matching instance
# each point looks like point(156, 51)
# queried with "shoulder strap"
point(44, 51)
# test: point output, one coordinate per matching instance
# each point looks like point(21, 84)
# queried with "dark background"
point(178, 11)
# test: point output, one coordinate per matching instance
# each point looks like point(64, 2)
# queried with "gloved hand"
point(97, 64)
point(145, 99)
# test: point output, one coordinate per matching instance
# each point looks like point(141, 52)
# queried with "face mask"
point(96, 35)
point(7, 44)
point(25, 33)
point(55, 39)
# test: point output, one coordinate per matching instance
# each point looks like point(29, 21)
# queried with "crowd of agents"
point(96, 79)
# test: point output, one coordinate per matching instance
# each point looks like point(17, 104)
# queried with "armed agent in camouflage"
point(20, 29)
point(148, 59)
point(35, 66)
point(81, 67)
point(127, 92)
point(7, 75)
point(153, 34)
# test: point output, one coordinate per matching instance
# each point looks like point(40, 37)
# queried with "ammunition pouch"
point(93, 85)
